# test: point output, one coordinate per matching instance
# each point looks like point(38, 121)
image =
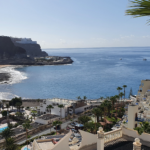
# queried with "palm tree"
point(119, 88)
point(10, 144)
point(84, 119)
point(117, 97)
point(60, 106)
point(139, 8)
point(26, 126)
point(96, 114)
point(124, 86)
point(56, 123)
point(113, 100)
point(49, 107)
point(121, 94)
point(78, 97)
point(7, 133)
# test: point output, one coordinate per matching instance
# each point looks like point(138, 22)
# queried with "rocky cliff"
point(32, 49)
point(9, 50)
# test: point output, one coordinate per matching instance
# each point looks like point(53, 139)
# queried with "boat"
point(144, 59)
point(120, 58)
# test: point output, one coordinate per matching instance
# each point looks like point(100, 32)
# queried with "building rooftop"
point(45, 144)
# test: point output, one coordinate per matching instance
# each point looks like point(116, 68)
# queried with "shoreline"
point(3, 66)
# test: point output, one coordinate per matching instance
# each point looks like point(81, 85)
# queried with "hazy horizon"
point(74, 24)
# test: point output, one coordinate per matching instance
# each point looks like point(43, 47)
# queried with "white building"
point(70, 106)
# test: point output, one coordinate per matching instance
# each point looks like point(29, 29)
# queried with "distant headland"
point(24, 51)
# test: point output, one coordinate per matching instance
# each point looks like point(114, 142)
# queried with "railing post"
point(137, 145)
point(100, 139)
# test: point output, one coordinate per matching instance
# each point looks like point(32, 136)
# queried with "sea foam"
point(16, 76)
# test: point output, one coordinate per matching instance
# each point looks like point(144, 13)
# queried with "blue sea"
point(95, 72)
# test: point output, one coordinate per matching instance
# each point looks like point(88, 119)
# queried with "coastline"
point(3, 66)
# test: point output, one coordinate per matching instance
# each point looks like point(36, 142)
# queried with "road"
point(63, 126)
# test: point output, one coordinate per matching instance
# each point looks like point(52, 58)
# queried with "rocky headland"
point(22, 51)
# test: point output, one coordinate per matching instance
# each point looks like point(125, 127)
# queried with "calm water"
point(95, 72)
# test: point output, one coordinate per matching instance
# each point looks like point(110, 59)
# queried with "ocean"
point(95, 72)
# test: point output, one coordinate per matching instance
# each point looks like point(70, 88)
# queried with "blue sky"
point(73, 23)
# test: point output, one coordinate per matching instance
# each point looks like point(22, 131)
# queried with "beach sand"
point(2, 66)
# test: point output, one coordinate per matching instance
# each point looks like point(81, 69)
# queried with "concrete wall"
point(80, 109)
point(55, 110)
point(42, 121)
point(132, 110)
point(63, 144)
point(130, 135)
point(87, 138)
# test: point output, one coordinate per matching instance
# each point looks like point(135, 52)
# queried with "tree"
point(18, 105)
point(124, 86)
point(78, 97)
point(119, 88)
point(60, 106)
point(49, 107)
point(144, 127)
point(26, 126)
point(139, 8)
point(131, 93)
point(113, 100)
point(84, 119)
point(120, 95)
point(10, 144)
point(14, 101)
point(0, 105)
point(84, 97)
point(4, 113)
point(34, 114)
point(56, 123)
point(7, 133)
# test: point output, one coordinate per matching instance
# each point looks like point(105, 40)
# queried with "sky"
point(74, 23)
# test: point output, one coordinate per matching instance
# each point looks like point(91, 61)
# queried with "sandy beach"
point(2, 66)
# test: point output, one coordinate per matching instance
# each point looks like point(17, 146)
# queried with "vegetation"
point(124, 86)
point(144, 127)
point(49, 107)
point(60, 106)
point(131, 93)
point(7, 133)
point(14, 101)
point(4, 113)
point(56, 123)
point(84, 119)
point(139, 8)
point(10, 144)
point(26, 126)
point(9, 141)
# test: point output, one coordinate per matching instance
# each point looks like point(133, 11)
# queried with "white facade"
point(26, 41)
point(42, 121)
point(69, 107)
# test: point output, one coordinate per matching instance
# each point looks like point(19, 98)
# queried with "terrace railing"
point(112, 135)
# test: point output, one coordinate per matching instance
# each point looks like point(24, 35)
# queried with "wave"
point(15, 75)
point(7, 96)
